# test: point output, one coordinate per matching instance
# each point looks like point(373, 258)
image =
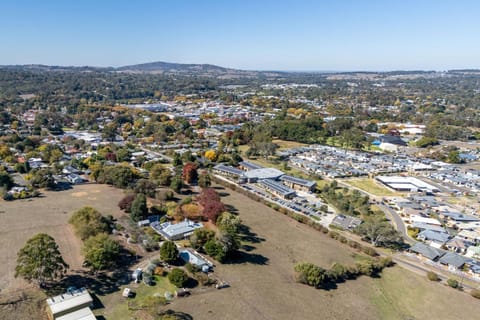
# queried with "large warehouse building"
point(408, 184)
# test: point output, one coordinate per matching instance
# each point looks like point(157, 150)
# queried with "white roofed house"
point(176, 231)
point(73, 305)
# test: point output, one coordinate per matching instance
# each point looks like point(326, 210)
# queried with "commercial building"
point(277, 188)
point(298, 184)
point(408, 184)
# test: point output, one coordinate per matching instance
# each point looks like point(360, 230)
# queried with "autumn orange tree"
point(189, 172)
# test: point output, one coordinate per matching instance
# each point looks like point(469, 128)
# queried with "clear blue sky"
point(272, 35)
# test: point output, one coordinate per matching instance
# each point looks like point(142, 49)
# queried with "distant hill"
point(160, 67)
point(211, 70)
point(41, 67)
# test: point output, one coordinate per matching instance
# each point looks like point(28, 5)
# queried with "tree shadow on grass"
point(329, 286)
point(102, 283)
point(191, 283)
point(99, 284)
point(241, 257)
point(175, 315)
point(248, 248)
point(247, 235)
point(231, 209)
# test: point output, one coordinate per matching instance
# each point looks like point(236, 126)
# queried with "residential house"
point(453, 261)
point(426, 251)
point(196, 259)
point(457, 245)
point(73, 305)
point(434, 239)
point(473, 252)
point(176, 231)
point(472, 236)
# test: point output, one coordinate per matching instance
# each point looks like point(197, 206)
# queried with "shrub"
point(191, 268)
point(342, 239)
point(453, 283)
point(353, 244)
point(385, 262)
point(333, 234)
point(158, 271)
point(178, 277)
point(370, 251)
point(365, 267)
point(432, 276)
point(203, 279)
point(310, 274)
point(475, 293)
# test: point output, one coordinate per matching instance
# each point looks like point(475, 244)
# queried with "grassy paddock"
point(370, 186)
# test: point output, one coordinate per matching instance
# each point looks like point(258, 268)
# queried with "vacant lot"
point(371, 186)
point(283, 144)
point(263, 287)
point(21, 219)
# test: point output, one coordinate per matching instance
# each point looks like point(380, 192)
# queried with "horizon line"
point(245, 69)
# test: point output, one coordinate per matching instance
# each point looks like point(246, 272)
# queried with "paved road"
point(389, 212)
point(397, 221)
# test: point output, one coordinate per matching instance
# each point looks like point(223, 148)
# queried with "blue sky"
point(268, 35)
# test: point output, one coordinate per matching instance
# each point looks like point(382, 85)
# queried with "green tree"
point(40, 260)
point(88, 222)
point(109, 132)
point(169, 251)
point(379, 233)
point(139, 209)
point(200, 237)
point(160, 174)
point(177, 160)
point(6, 180)
point(119, 176)
point(215, 250)
point(178, 277)
point(146, 187)
point(101, 252)
point(228, 222)
point(43, 178)
point(176, 184)
point(204, 180)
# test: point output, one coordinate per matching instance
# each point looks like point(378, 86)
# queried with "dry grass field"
point(371, 186)
point(262, 279)
point(263, 287)
point(21, 219)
